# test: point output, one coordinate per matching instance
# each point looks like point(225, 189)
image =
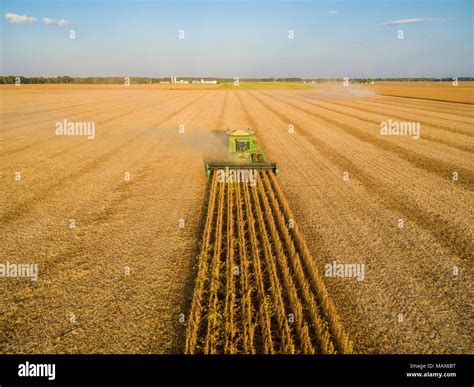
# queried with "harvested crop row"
point(257, 287)
point(413, 155)
point(458, 138)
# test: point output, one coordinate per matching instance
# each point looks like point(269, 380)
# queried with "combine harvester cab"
point(243, 144)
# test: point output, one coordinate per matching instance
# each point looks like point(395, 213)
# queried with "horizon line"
point(266, 79)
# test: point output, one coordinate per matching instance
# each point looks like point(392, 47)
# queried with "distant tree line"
point(77, 80)
point(11, 79)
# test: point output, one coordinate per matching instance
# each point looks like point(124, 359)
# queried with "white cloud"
point(56, 22)
point(23, 19)
point(333, 12)
point(20, 19)
point(412, 21)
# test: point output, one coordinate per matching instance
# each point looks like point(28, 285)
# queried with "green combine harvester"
point(242, 144)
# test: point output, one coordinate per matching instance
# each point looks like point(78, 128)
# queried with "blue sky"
point(244, 39)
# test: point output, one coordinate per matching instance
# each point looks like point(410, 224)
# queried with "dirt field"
point(119, 280)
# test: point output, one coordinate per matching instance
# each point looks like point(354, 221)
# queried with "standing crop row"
point(257, 286)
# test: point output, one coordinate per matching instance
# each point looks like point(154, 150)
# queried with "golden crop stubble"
point(429, 163)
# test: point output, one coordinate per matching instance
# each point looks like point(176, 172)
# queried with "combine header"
point(243, 145)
